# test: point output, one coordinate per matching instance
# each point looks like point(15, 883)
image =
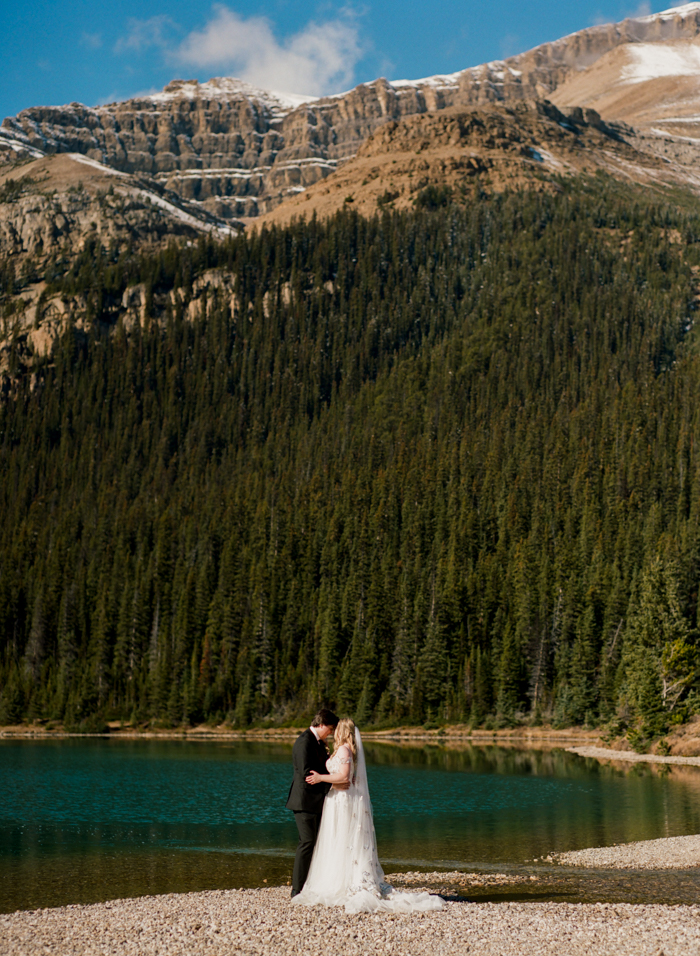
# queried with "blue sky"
point(57, 52)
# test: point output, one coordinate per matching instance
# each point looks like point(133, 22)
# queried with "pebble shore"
point(264, 923)
point(629, 756)
point(669, 853)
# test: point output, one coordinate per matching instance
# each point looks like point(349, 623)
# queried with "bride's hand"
point(313, 777)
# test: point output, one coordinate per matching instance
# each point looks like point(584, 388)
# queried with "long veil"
point(368, 889)
point(367, 876)
point(361, 784)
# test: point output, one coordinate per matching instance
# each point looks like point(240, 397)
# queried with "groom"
point(305, 799)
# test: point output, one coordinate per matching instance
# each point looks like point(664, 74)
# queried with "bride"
point(345, 869)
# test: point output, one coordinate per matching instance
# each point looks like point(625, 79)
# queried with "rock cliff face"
point(239, 151)
point(456, 156)
point(55, 205)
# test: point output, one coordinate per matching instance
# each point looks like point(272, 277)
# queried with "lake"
point(89, 819)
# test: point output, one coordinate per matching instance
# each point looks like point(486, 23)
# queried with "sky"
point(93, 53)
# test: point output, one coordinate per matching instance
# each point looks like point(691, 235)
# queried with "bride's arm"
point(341, 777)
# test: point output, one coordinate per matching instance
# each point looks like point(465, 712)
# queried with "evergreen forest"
point(436, 466)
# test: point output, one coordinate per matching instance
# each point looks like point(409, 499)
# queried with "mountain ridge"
point(456, 156)
point(434, 464)
point(240, 151)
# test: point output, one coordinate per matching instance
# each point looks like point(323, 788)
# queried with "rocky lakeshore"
point(629, 756)
point(668, 853)
point(263, 922)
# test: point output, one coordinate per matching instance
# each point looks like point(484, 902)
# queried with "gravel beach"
point(264, 922)
point(600, 753)
point(669, 853)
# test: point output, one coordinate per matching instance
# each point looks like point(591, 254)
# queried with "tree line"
point(434, 466)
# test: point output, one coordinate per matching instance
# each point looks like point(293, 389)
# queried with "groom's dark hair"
point(325, 718)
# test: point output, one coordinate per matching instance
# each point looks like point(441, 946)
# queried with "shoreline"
point(629, 756)
point(666, 853)
point(441, 736)
point(682, 744)
point(264, 922)
point(584, 743)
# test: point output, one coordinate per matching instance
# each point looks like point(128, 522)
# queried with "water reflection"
point(82, 820)
point(484, 805)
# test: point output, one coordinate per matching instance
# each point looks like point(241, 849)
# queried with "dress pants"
point(307, 825)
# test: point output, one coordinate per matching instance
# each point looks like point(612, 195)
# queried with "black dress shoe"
point(295, 893)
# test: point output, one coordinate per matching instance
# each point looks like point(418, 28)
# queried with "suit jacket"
point(308, 754)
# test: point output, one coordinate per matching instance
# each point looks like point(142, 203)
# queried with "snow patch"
point(215, 173)
point(235, 172)
point(437, 81)
point(19, 144)
point(225, 87)
point(544, 156)
point(684, 10)
point(649, 61)
point(183, 216)
point(292, 100)
point(678, 119)
point(664, 135)
point(496, 68)
point(87, 161)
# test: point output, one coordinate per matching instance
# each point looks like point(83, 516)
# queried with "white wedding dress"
point(345, 869)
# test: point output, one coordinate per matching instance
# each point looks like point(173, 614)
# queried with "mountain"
point(191, 160)
point(240, 151)
point(650, 82)
point(455, 156)
point(434, 464)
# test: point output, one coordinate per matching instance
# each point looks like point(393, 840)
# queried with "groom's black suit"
point(306, 800)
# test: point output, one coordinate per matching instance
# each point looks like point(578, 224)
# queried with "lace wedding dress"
point(345, 869)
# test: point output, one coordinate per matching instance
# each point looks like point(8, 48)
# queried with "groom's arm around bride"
point(305, 799)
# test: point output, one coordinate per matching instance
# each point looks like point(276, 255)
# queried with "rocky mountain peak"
point(238, 151)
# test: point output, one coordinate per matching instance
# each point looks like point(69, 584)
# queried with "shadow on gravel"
point(668, 887)
point(506, 898)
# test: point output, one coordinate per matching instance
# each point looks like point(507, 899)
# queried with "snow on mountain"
point(226, 87)
point(239, 151)
point(439, 80)
point(649, 61)
point(683, 10)
point(18, 144)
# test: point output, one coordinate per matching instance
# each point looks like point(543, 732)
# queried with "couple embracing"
point(336, 861)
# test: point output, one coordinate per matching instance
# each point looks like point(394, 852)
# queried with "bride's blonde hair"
point(345, 734)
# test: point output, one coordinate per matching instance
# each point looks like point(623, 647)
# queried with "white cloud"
point(510, 45)
point(643, 9)
point(92, 41)
point(318, 59)
point(118, 97)
point(143, 34)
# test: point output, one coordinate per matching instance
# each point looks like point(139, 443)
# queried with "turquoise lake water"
point(83, 820)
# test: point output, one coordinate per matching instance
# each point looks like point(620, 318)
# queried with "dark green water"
point(83, 820)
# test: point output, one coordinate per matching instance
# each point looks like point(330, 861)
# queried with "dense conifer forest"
point(437, 466)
